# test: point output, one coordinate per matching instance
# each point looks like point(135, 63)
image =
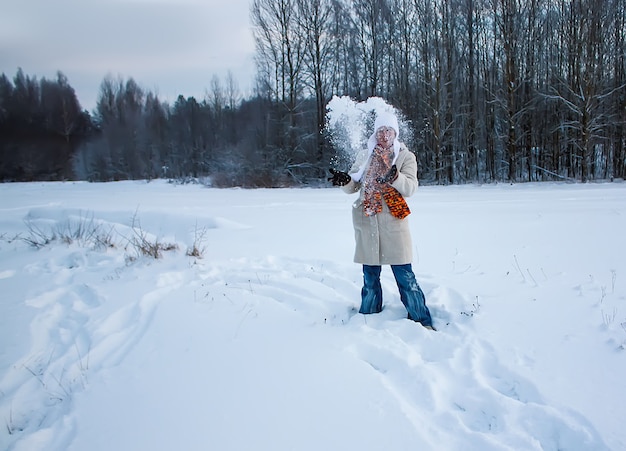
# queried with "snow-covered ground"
point(257, 346)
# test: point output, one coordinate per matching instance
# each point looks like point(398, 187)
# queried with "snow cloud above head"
point(169, 47)
point(350, 124)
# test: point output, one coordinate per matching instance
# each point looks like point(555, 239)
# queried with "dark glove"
point(339, 178)
point(390, 176)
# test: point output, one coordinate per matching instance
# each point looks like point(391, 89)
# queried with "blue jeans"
point(411, 294)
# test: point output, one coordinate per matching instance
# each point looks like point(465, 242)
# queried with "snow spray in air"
point(349, 124)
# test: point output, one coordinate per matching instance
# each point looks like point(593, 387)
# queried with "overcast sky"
point(169, 47)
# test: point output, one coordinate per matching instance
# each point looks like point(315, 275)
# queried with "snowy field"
point(257, 346)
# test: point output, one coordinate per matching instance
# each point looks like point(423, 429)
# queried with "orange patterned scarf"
point(374, 192)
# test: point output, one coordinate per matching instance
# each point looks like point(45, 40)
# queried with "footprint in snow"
point(453, 382)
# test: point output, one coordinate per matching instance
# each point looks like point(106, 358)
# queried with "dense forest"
point(494, 90)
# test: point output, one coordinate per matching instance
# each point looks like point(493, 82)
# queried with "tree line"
point(41, 128)
point(494, 90)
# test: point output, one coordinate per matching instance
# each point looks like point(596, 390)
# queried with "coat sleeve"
point(353, 186)
point(407, 182)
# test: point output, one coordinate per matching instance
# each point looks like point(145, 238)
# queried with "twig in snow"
point(35, 375)
point(474, 310)
point(613, 279)
point(531, 276)
point(603, 291)
point(11, 429)
point(59, 381)
point(242, 320)
point(37, 237)
point(143, 245)
point(518, 268)
point(83, 366)
point(199, 243)
point(608, 319)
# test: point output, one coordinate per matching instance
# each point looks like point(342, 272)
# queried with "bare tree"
point(232, 92)
point(280, 55)
point(314, 17)
point(216, 96)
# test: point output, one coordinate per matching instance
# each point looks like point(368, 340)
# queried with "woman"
point(384, 175)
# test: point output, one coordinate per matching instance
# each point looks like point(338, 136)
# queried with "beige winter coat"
point(383, 239)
